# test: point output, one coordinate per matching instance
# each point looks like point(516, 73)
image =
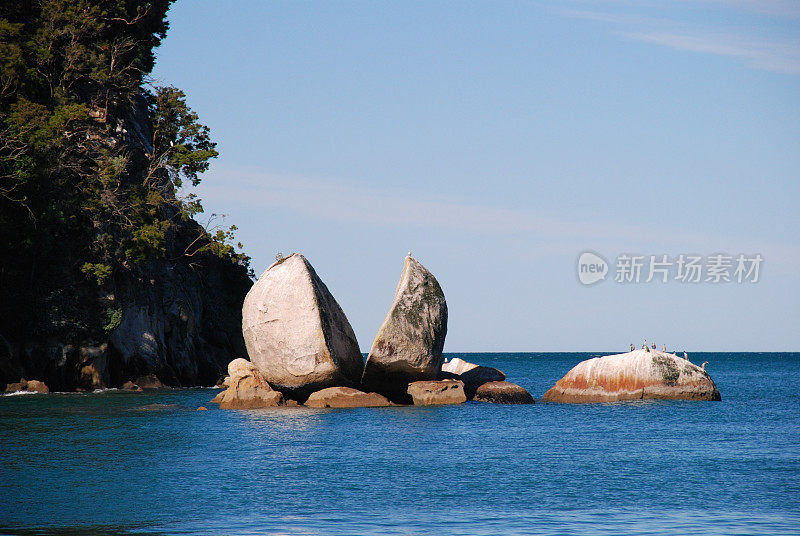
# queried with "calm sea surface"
point(136, 463)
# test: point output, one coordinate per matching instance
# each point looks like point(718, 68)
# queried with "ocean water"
point(148, 463)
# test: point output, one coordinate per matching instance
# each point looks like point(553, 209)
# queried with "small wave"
point(17, 393)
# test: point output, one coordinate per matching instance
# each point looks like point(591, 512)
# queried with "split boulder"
point(409, 344)
point(296, 334)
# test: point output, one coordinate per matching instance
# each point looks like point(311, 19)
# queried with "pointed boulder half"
point(296, 334)
point(409, 344)
point(641, 374)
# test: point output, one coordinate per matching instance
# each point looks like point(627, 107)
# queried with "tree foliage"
point(93, 160)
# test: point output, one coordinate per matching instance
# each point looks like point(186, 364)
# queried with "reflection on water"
point(279, 421)
point(134, 463)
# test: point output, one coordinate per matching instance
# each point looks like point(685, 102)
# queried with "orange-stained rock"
point(641, 374)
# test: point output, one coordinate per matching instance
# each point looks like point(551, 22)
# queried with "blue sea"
point(149, 463)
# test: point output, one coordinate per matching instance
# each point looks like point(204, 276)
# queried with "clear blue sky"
point(499, 140)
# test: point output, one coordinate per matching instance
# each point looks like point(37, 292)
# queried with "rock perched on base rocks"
point(503, 393)
point(296, 334)
point(345, 397)
point(471, 374)
point(248, 389)
point(31, 386)
point(250, 392)
point(427, 393)
point(409, 344)
point(641, 374)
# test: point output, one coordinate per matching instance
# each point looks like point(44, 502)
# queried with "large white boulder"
point(296, 334)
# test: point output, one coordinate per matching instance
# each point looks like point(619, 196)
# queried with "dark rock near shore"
point(432, 392)
point(130, 386)
point(409, 344)
point(31, 386)
point(149, 381)
point(502, 392)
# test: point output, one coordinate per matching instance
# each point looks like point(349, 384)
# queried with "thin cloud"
point(754, 52)
point(339, 201)
point(778, 8)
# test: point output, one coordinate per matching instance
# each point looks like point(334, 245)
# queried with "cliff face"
point(178, 316)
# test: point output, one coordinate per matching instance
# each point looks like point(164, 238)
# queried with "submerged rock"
point(345, 397)
point(296, 334)
point(409, 344)
point(641, 374)
point(427, 393)
point(248, 389)
point(471, 374)
point(501, 392)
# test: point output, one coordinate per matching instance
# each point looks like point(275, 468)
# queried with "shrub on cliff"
point(93, 165)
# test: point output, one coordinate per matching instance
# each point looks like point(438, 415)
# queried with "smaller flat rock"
point(428, 393)
point(345, 397)
point(503, 393)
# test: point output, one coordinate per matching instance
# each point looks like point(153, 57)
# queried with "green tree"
point(94, 163)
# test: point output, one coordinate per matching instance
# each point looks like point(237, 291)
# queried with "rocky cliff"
point(177, 316)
